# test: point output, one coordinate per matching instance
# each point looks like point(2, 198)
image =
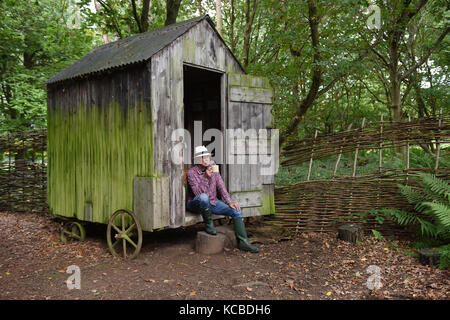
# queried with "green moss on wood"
point(94, 154)
point(268, 203)
point(246, 80)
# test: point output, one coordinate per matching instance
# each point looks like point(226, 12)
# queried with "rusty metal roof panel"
point(136, 48)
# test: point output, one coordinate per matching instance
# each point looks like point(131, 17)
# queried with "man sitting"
point(204, 184)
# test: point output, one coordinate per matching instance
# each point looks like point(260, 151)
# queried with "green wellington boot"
point(241, 235)
point(209, 224)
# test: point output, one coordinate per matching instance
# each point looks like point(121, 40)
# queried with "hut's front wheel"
point(130, 237)
point(72, 230)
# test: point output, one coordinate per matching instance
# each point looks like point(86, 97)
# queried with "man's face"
point(205, 161)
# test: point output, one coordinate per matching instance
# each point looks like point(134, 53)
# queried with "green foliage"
point(444, 260)
point(411, 253)
point(431, 215)
point(377, 235)
point(432, 207)
point(323, 168)
point(117, 19)
point(38, 40)
point(437, 206)
point(368, 161)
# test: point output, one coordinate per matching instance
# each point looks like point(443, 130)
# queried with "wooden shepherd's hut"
point(111, 116)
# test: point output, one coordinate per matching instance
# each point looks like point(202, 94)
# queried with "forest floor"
point(33, 265)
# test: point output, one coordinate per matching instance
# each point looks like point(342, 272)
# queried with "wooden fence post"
point(311, 159)
point(438, 144)
point(407, 152)
point(356, 150)
point(340, 154)
point(9, 172)
point(380, 161)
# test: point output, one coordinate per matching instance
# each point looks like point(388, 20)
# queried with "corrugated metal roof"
point(130, 50)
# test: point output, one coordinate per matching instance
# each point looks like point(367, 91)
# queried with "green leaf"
point(377, 235)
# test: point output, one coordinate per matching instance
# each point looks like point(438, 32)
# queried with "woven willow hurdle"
point(23, 180)
point(376, 136)
point(317, 205)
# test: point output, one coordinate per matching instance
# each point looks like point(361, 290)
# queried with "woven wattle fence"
point(318, 205)
point(23, 180)
point(375, 136)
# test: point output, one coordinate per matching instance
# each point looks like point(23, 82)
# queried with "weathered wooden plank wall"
point(99, 133)
point(199, 46)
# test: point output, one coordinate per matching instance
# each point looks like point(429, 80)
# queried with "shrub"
point(431, 215)
point(432, 208)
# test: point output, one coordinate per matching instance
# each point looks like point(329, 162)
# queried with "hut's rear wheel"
point(130, 237)
point(72, 230)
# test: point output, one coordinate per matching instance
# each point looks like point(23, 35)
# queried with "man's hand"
point(209, 172)
point(234, 205)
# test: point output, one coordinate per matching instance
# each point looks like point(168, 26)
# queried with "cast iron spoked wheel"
point(122, 240)
point(72, 230)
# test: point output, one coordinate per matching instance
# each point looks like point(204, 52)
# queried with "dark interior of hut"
point(201, 101)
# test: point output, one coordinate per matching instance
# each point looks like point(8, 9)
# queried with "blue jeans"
point(221, 208)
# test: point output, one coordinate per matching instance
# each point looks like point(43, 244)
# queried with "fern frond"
point(444, 260)
point(427, 228)
point(440, 211)
point(412, 195)
point(438, 186)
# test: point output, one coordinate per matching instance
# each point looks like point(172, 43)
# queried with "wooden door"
point(249, 109)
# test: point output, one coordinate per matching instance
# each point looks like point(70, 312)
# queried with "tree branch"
point(360, 57)
point(135, 15)
point(316, 75)
point(113, 16)
point(427, 55)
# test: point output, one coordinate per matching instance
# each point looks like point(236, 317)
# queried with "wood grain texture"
point(249, 109)
point(151, 202)
point(251, 95)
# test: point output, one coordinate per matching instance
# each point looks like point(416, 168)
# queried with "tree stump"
point(230, 236)
point(429, 256)
point(350, 232)
point(209, 244)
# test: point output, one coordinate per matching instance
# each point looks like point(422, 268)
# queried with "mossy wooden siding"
point(99, 139)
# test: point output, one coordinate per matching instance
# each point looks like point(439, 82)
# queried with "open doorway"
point(202, 102)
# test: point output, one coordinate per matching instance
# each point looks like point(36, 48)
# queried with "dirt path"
point(33, 264)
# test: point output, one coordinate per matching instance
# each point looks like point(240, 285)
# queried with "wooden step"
point(191, 218)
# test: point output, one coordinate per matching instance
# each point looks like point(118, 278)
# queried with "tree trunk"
point(350, 232)
point(200, 7)
point(104, 35)
point(429, 256)
point(219, 16)
point(249, 17)
point(146, 15)
point(172, 8)
point(233, 18)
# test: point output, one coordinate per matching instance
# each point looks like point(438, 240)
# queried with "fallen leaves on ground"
point(311, 266)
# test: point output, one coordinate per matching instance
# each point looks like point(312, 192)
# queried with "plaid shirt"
point(199, 183)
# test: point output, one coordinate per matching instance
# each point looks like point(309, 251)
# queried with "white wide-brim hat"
point(201, 151)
